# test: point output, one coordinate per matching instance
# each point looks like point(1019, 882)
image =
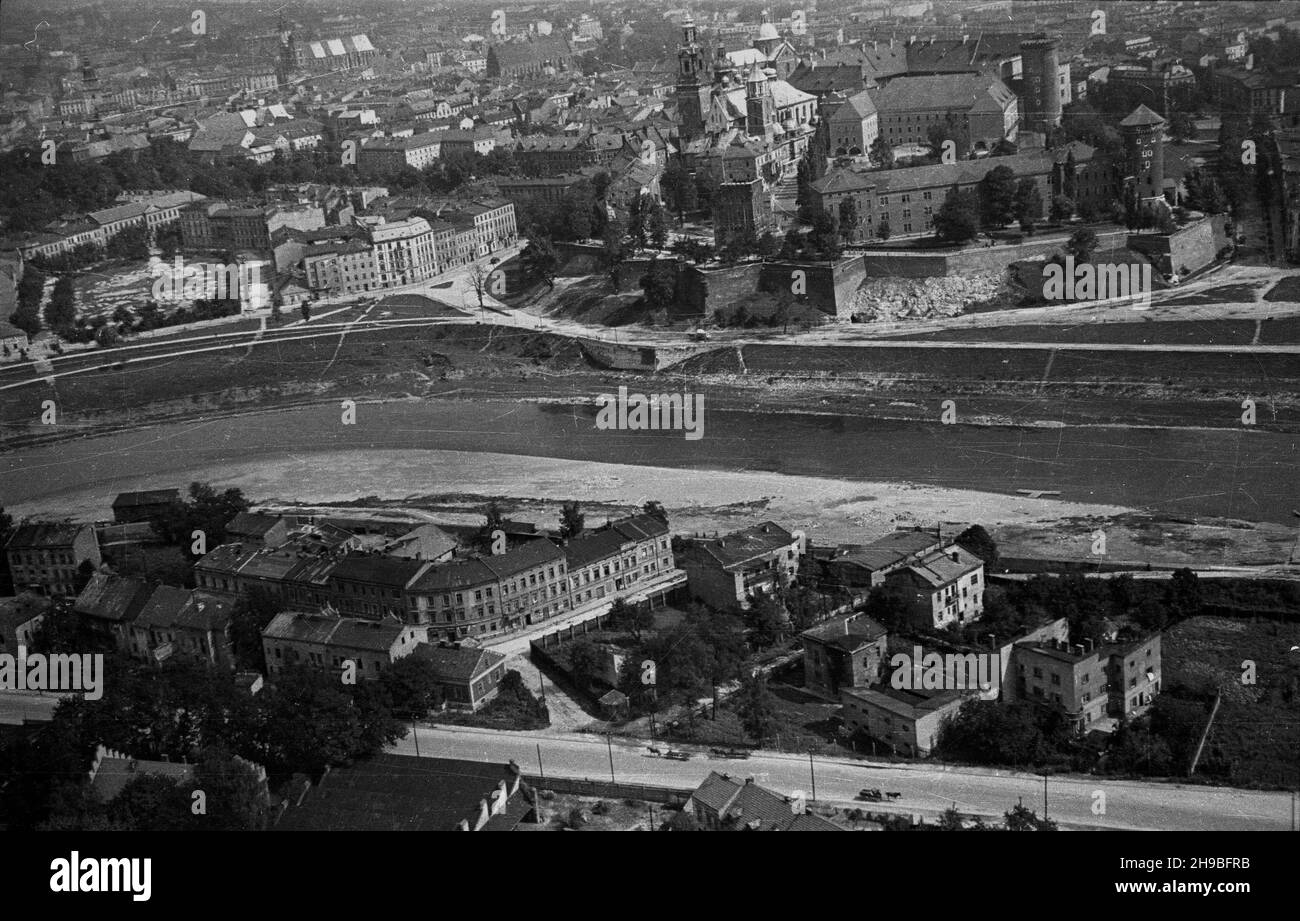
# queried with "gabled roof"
point(112, 598)
point(461, 665)
point(37, 535)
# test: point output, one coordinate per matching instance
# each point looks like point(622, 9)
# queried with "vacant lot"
point(1257, 729)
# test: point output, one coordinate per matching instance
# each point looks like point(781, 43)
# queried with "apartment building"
point(372, 586)
point(221, 226)
point(45, 556)
point(845, 652)
point(726, 572)
point(942, 587)
point(331, 641)
point(1071, 679)
point(612, 559)
point(906, 720)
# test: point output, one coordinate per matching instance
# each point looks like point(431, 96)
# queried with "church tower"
point(760, 110)
point(692, 88)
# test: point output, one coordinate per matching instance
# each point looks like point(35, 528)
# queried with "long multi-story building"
point(454, 599)
point(45, 556)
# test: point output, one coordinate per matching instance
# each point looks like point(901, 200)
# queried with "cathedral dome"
point(767, 32)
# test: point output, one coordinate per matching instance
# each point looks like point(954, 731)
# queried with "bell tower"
point(692, 88)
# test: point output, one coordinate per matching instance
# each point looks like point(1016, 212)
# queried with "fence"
point(672, 796)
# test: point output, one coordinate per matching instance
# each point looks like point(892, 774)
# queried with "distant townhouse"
point(329, 641)
point(257, 530)
point(534, 580)
point(372, 586)
point(726, 572)
point(391, 154)
point(131, 507)
point(177, 624)
point(108, 606)
point(611, 560)
point(865, 566)
point(46, 556)
point(222, 226)
point(942, 587)
point(845, 652)
point(467, 677)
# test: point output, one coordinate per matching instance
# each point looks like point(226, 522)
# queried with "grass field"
point(1257, 729)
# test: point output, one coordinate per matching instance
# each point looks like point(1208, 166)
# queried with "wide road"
point(926, 789)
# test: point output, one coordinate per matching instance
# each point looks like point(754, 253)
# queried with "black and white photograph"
point(583, 415)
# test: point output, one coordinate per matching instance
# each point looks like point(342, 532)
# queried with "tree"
point(656, 225)
point(584, 662)
point(478, 281)
point(957, 219)
point(1181, 127)
point(572, 521)
point(1062, 208)
point(493, 520)
point(976, 540)
point(997, 194)
point(883, 231)
point(849, 219)
point(305, 310)
point(881, 154)
point(1022, 818)
point(652, 508)
point(659, 284)
point(412, 686)
point(251, 613)
point(61, 311)
point(1082, 244)
point(756, 707)
point(1028, 204)
point(634, 618)
point(766, 620)
point(235, 795)
point(206, 511)
point(540, 260)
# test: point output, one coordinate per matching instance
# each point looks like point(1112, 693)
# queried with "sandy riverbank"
point(453, 486)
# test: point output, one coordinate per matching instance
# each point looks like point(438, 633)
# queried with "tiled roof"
point(42, 534)
point(741, 546)
point(461, 666)
point(114, 598)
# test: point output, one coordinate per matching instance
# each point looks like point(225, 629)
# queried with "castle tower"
point(1144, 153)
point(1040, 104)
point(724, 72)
point(760, 110)
point(692, 90)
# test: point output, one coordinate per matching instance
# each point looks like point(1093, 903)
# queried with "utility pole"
point(1044, 797)
point(610, 745)
point(813, 773)
point(415, 734)
point(541, 772)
